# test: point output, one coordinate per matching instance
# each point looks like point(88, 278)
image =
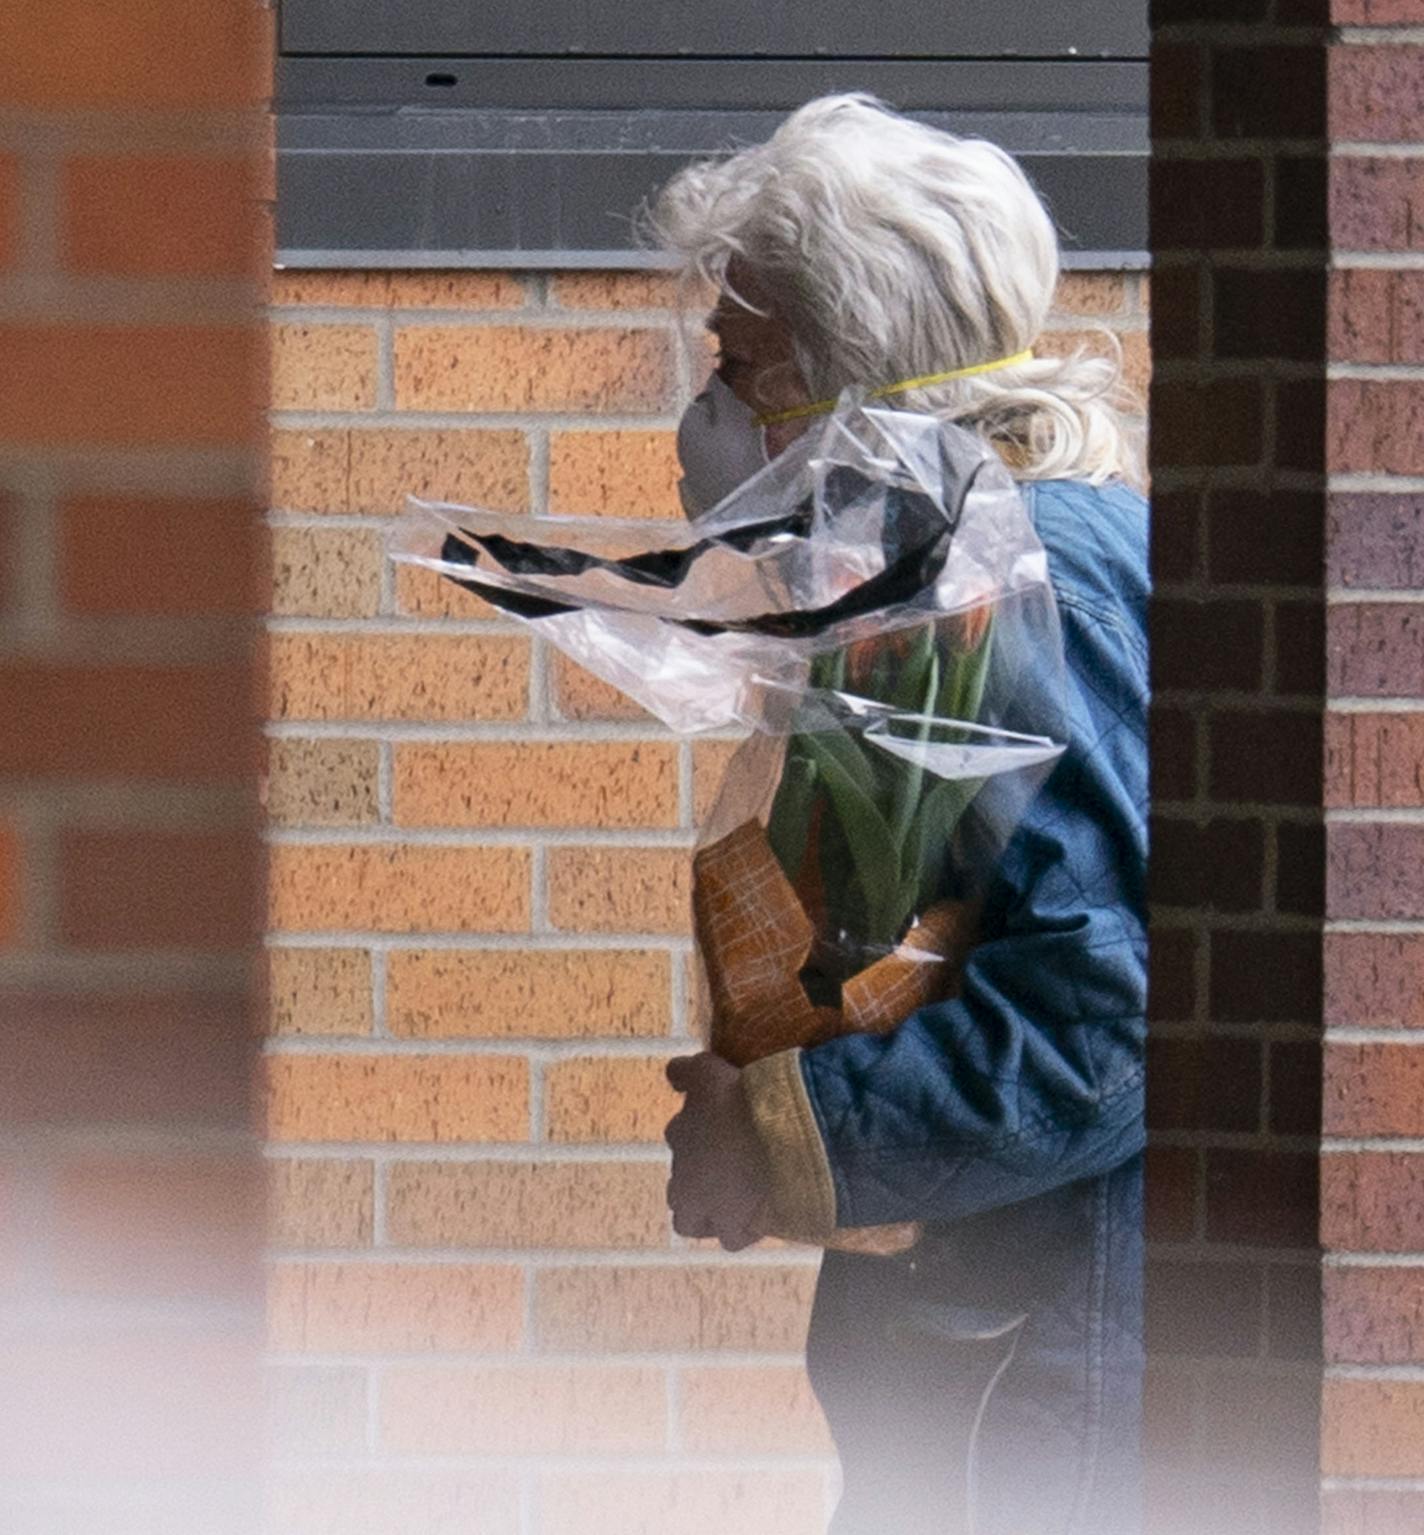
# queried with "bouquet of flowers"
point(873, 610)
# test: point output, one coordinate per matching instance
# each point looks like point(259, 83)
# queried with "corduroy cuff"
point(802, 1192)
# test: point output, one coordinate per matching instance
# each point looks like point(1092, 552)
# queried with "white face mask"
point(719, 445)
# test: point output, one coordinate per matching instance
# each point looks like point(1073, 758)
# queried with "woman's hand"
point(719, 1178)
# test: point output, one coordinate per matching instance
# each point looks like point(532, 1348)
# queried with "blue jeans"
point(989, 1382)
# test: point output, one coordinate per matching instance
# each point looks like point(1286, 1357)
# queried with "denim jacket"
point(1032, 1076)
point(1010, 1119)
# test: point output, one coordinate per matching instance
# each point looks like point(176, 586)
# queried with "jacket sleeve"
point(1032, 1076)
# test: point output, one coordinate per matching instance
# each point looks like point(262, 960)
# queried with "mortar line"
point(39, 918)
point(642, 1461)
point(539, 889)
point(630, 1359)
point(539, 459)
point(86, 971)
point(537, 1097)
point(58, 299)
point(645, 1259)
point(47, 1316)
point(1216, 1253)
point(1393, 484)
point(1236, 477)
point(39, 223)
point(1268, 646)
point(1232, 1140)
point(579, 523)
point(1201, 980)
point(1263, 1107)
point(1373, 1260)
point(1376, 149)
point(1380, 34)
point(473, 420)
point(1354, 1371)
point(1405, 1035)
point(1198, 151)
point(686, 790)
point(1243, 33)
point(1200, 810)
point(499, 732)
point(379, 979)
point(169, 471)
point(1403, 261)
point(1203, 590)
point(680, 1006)
point(540, 703)
point(122, 1140)
point(1270, 868)
point(1380, 925)
point(1204, 1027)
point(385, 782)
point(385, 356)
point(276, 517)
point(37, 623)
point(1371, 1483)
point(420, 317)
point(650, 838)
point(1125, 322)
point(474, 942)
point(1376, 594)
point(461, 1151)
point(392, 624)
point(388, 606)
point(656, 1046)
point(1199, 1202)
point(1212, 369)
point(1237, 921)
point(1345, 1145)
point(1375, 372)
point(1253, 257)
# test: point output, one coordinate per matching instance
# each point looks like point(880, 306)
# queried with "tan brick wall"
point(478, 946)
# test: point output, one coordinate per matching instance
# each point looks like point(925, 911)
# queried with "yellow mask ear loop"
point(924, 381)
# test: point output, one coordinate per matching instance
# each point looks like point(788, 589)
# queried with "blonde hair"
point(895, 250)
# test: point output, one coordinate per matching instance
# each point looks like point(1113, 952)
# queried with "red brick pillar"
point(131, 252)
point(1238, 431)
point(1373, 1184)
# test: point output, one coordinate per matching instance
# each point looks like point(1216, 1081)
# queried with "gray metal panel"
point(725, 29)
point(949, 86)
point(530, 189)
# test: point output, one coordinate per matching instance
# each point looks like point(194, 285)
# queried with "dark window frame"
point(385, 158)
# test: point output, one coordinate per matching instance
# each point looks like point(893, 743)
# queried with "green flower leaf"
point(788, 826)
point(873, 849)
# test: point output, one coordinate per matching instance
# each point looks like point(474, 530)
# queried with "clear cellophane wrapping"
point(872, 614)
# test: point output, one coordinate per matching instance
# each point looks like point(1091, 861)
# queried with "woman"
point(988, 1380)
